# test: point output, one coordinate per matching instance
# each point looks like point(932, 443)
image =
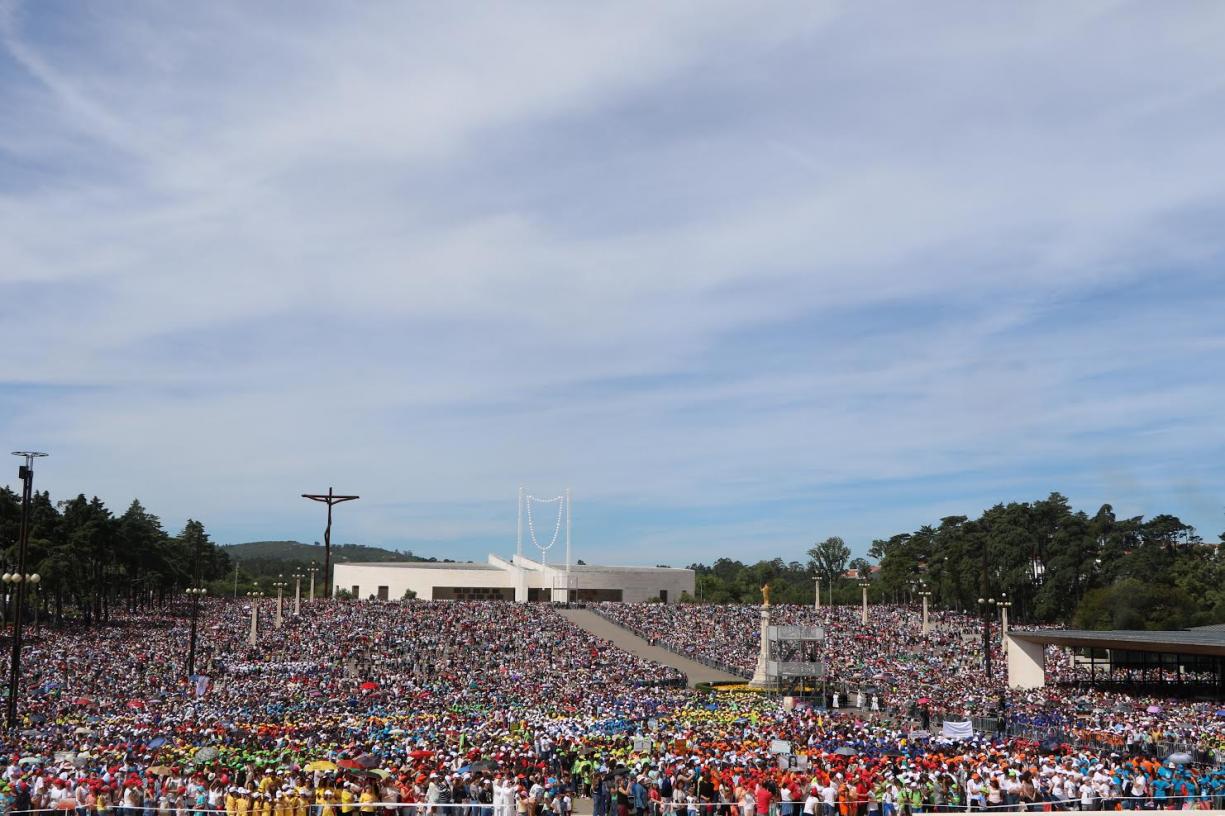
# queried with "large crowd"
point(492, 708)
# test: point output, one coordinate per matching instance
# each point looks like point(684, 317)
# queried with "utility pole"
point(313, 569)
point(26, 474)
point(297, 592)
point(330, 499)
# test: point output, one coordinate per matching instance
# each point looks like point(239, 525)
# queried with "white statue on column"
point(759, 675)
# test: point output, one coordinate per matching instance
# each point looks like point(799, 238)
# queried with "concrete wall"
point(1026, 663)
point(520, 576)
point(422, 581)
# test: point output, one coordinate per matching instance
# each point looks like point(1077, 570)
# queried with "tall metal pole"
point(312, 571)
point(26, 474)
point(568, 545)
point(863, 617)
point(331, 498)
point(519, 525)
point(297, 593)
point(816, 602)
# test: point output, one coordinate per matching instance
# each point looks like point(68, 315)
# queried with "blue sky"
point(741, 280)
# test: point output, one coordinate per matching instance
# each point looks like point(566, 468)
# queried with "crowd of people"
point(493, 708)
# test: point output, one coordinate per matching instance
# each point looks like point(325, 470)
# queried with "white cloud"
point(679, 257)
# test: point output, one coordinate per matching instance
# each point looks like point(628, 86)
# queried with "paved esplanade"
point(627, 640)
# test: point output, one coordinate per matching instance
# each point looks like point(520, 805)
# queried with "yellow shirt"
point(243, 806)
point(346, 801)
point(301, 805)
point(231, 805)
point(368, 796)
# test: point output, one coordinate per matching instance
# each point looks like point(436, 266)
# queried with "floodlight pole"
point(26, 474)
point(330, 499)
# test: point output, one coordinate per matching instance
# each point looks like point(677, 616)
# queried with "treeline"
point(1055, 564)
point(93, 563)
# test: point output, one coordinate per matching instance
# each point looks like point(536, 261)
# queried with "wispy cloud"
point(741, 280)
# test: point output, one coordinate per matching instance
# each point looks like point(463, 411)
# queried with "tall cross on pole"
point(330, 498)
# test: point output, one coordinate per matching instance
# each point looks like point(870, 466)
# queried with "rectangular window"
point(382, 593)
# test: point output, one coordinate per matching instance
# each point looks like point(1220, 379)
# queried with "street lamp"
point(297, 592)
point(1004, 605)
point(986, 604)
point(924, 594)
point(314, 568)
point(19, 578)
point(816, 604)
point(254, 595)
point(195, 594)
point(863, 585)
point(280, 585)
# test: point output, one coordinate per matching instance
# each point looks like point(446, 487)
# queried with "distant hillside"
point(298, 551)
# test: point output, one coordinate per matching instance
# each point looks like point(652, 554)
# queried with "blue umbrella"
point(157, 742)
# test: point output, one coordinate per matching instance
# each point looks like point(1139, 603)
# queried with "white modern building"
point(517, 579)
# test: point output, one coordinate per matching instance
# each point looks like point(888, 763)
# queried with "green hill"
point(298, 551)
point(265, 560)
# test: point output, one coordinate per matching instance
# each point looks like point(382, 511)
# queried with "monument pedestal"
point(759, 675)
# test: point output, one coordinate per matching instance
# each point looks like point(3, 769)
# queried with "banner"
point(958, 730)
point(201, 684)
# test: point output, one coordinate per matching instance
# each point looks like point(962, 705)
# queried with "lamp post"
point(863, 618)
point(986, 604)
point(297, 593)
point(924, 594)
point(1004, 604)
point(19, 578)
point(816, 604)
point(313, 569)
point(254, 596)
point(280, 585)
point(195, 594)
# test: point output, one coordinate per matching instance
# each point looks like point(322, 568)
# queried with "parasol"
point(31, 760)
point(161, 770)
point(66, 804)
point(1180, 758)
point(82, 701)
point(157, 742)
point(844, 750)
point(1153, 709)
point(484, 765)
point(369, 685)
point(351, 764)
point(367, 761)
point(136, 703)
point(206, 754)
point(320, 765)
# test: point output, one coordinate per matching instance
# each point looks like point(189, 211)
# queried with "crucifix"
point(330, 498)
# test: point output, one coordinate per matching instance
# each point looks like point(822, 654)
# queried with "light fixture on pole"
point(280, 585)
point(20, 579)
point(986, 604)
point(816, 601)
point(254, 595)
point(924, 594)
point(297, 592)
point(195, 594)
point(314, 568)
point(1004, 605)
point(863, 585)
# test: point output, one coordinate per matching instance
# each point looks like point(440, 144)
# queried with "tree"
point(862, 567)
point(829, 558)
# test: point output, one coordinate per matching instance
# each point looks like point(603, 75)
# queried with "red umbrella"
point(369, 685)
point(66, 804)
point(136, 703)
point(82, 701)
point(349, 763)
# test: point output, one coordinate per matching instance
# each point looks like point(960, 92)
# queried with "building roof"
point(1183, 641)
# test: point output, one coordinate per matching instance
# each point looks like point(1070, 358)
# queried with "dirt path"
point(627, 640)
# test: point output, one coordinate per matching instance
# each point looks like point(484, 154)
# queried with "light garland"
point(531, 527)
